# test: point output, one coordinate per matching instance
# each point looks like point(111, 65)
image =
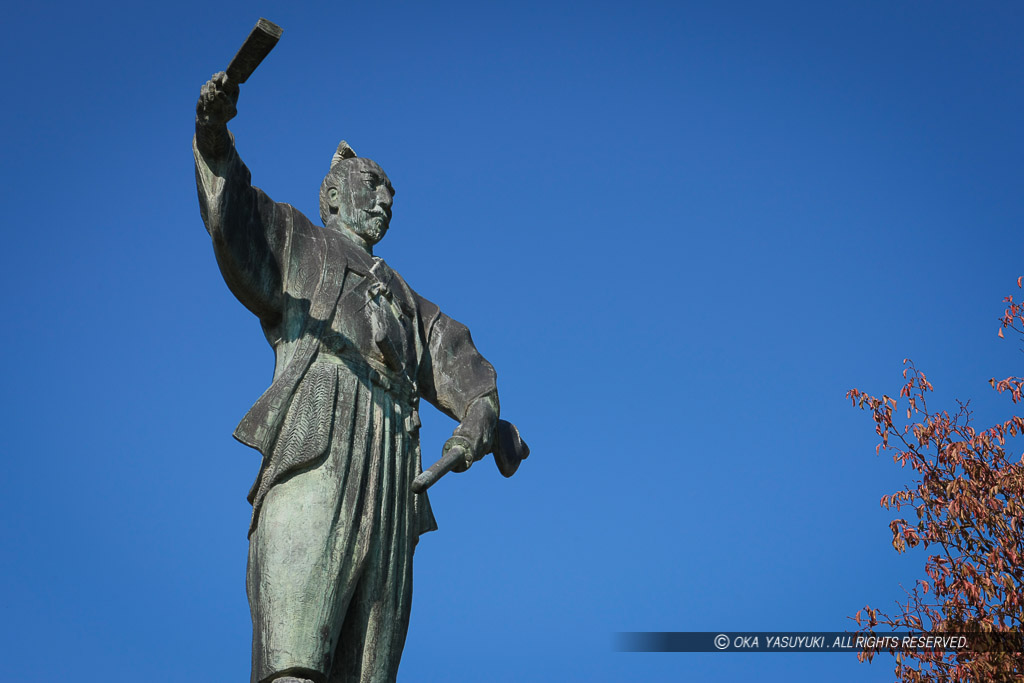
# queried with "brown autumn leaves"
point(965, 506)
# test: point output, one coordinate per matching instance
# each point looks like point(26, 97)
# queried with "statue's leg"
point(301, 575)
point(377, 620)
point(373, 636)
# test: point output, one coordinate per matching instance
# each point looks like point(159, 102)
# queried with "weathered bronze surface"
point(339, 502)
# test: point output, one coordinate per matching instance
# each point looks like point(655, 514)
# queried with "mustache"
point(378, 212)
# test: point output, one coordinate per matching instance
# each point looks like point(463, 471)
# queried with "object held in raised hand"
point(261, 41)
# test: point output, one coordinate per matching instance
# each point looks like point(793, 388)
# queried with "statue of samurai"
point(335, 517)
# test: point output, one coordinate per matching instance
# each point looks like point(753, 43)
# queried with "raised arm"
point(249, 230)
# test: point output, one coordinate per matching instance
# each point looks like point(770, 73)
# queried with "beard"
point(372, 230)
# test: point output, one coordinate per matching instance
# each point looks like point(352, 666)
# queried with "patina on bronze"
point(339, 502)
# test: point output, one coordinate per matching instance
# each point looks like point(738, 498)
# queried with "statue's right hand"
point(217, 100)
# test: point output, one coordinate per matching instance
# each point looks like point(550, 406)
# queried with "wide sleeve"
point(456, 378)
point(249, 231)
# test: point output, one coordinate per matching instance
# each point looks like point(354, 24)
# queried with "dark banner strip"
point(816, 641)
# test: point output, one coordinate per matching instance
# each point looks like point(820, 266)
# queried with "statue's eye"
point(368, 182)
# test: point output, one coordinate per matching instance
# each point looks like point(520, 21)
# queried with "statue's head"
point(356, 196)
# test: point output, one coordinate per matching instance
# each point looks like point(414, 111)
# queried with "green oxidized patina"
point(339, 502)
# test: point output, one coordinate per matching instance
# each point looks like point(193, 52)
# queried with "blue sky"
point(679, 230)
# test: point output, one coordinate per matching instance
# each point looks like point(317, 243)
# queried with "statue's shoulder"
point(427, 309)
point(309, 240)
point(294, 217)
point(311, 252)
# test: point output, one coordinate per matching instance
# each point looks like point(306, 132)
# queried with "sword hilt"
point(455, 453)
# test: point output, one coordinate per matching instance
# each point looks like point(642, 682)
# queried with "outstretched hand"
point(217, 100)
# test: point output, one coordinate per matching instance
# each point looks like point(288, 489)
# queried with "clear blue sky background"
point(679, 230)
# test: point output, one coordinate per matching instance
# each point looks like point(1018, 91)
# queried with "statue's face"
point(364, 199)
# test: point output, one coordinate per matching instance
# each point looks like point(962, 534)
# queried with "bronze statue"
point(336, 516)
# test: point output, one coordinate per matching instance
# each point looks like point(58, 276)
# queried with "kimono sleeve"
point(250, 232)
point(453, 374)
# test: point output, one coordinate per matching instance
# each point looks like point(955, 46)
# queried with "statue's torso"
point(376, 320)
point(369, 313)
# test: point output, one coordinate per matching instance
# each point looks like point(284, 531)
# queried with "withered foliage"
point(965, 505)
